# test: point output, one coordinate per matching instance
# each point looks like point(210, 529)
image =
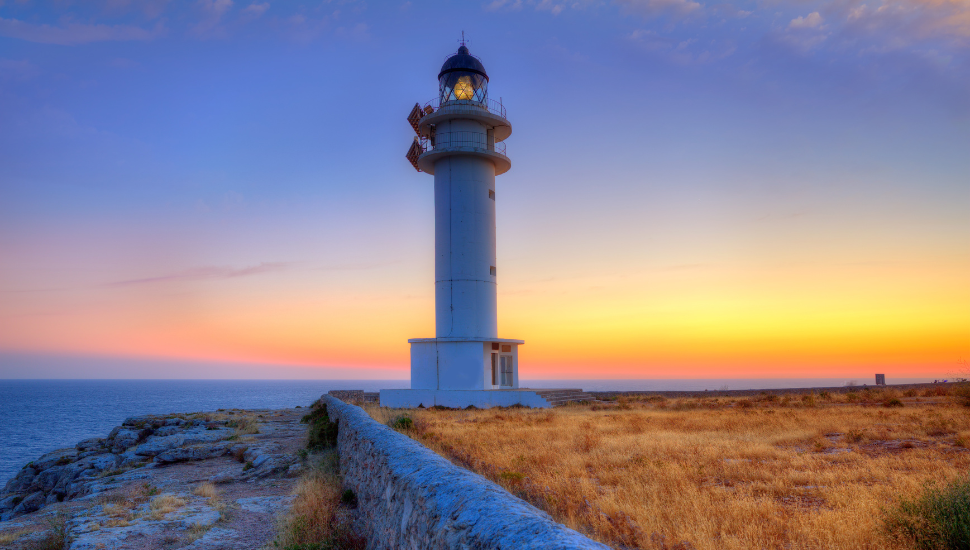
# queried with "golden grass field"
point(807, 471)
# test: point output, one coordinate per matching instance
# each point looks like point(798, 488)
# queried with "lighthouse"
point(459, 140)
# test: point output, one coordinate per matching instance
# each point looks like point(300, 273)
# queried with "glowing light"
point(464, 89)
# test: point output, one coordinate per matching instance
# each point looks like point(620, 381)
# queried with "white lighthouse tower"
point(459, 141)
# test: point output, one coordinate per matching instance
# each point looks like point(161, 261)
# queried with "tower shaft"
point(465, 289)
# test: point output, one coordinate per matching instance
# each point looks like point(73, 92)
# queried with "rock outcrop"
point(140, 442)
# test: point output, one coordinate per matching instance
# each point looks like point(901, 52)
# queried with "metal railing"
point(490, 105)
point(462, 140)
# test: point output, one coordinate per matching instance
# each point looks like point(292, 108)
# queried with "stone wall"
point(410, 497)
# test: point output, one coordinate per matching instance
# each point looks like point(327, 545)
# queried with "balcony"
point(425, 151)
point(456, 141)
point(489, 112)
point(489, 105)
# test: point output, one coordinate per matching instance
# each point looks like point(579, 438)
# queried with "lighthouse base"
point(464, 363)
point(462, 399)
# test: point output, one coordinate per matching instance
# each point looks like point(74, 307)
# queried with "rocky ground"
point(199, 481)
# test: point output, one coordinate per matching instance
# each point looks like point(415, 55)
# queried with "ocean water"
point(39, 416)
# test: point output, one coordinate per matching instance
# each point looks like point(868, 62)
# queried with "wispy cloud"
point(810, 21)
point(212, 13)
point(682, 51)
point(496, 5)
point(20, 70)
point(206, 273)
point(75, 33)
point(255, 10)
point(656, 8)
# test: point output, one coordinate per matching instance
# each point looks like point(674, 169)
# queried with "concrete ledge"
point(460, 399)
point(410, 497)
point(464, 339)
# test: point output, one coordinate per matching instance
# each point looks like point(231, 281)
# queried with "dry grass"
point(761, 472)
point(317, 519)
point(196, 532)
point(12, 536)
point(119, 510)
point(208, 490)
point(244, 426)
point(164, 504)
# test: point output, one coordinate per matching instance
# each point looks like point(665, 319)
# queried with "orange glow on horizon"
point(706, 323)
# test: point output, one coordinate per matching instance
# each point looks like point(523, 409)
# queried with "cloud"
point(256, 10)
point(360, 32)
point(212, 12)
point(550, 6)
point(75, 33)
point(904, 22)
point(18, 70)
point(496, 5)
point(124, 63)
point(656, 8)
point(205, 274)
point(682, 51)
point(303, 30)
point(810, 21)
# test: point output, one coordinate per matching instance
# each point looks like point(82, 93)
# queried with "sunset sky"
point(698, 189)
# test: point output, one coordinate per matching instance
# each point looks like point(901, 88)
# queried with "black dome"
point(463, 61)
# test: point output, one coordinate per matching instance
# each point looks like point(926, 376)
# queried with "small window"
point(507, 348)
point(491, 194)
point(491, 270)
point(495, 346)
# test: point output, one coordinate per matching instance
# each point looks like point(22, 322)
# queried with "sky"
point(699, 189)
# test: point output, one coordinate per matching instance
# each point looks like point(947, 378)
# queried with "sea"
point(39, 416)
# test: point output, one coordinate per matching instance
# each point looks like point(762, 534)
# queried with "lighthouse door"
point(506, 366)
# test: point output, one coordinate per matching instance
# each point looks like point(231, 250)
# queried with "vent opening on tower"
point(491, 270)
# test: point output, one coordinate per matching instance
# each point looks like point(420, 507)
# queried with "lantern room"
point(462, 78)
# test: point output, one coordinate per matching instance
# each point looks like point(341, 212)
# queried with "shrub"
point(244, 426)
point(402, 423)
point(512, 476)
point(56, 536)
point(938, 519)
point(745, 403)
point(892, 402)
point(808, 400)
point(322, 433)
point(962, 392)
